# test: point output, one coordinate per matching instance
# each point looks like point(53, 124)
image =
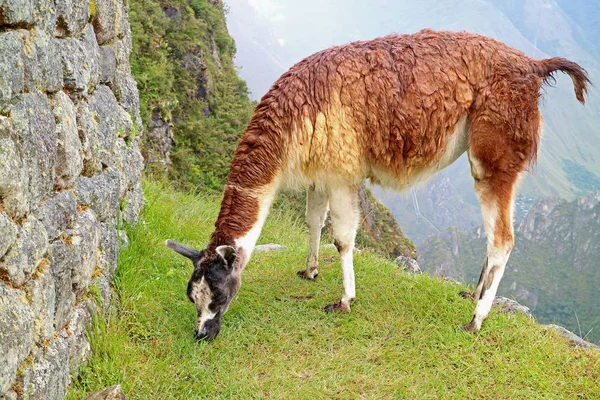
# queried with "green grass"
point(401, 339)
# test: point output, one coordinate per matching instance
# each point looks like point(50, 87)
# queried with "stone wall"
point(69, 177)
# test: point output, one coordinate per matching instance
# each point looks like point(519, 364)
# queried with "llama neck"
point(251, 186)
point(242, 217)
point(248, 240)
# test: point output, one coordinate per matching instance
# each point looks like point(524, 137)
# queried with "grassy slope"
point(401, 339)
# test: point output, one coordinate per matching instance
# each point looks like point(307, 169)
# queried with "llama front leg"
point(344, 221)
point(316, 212)
point(497, 209)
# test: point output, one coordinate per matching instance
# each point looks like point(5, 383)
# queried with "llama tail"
point(546, 68)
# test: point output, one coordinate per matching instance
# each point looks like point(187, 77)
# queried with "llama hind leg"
point(496, 195)
point(316, 212)
point(344, 221)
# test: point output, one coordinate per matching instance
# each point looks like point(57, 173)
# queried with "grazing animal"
point(395, 110)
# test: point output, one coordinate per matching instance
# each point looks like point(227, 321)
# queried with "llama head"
point(212, 285)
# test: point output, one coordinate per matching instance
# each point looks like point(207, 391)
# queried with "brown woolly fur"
point(545, 68)
point(389, 108)
point(238, 208)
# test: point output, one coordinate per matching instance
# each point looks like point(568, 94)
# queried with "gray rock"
point(135, 162)
point(58, 213)
point(105, 19)
point(26, 253)
point(71, 17)
point(129, 162)
point(16, 333)
point(81, 62)
point(101, 193)
point(110, 393)
point(16, 263)
point(12, 70)
point(410, 265)
point(43, 302)
point(16, 13)
point(8, 233)
point(12, 191)
point(109, 249)
point(34, 125)
point(123, 28)
point(121, 164)
point(35, 231)
point(43, 71)
point(126, 91)
point(44, 15)
point(79, 347)
point(110, 119)
point(108, 64)
point(103, 285)
point(89, 135)
point(122, 53)
point(270, 247)
point(69, 161)
point(52, 69)
point(134, 202)
point(47, 377)
point(32, 68)
point(61, 265)
point(511, 306)
point(68, 156)
point(85, 239)
point(452, 281)
point(573, 338)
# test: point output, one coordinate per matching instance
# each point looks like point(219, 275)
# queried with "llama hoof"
point(467, 295)
point(337, 307)
point(470, 327)
point(304, 275)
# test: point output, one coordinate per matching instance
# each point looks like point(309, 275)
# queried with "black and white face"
point(212, 285)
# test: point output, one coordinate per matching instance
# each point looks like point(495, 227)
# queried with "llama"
point(394, 110)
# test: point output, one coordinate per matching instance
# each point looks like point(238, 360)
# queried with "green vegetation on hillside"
point(183, 62)
point(401, 339)
point(584, 180)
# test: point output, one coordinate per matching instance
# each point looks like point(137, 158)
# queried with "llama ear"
point(185, 251)
point(227, 253)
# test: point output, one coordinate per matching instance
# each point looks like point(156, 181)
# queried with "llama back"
point(391, 104)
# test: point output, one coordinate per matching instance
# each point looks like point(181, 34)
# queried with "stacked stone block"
point(70, 170)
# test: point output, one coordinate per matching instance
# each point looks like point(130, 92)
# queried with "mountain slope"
point(554, 268)
point(192, 98)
